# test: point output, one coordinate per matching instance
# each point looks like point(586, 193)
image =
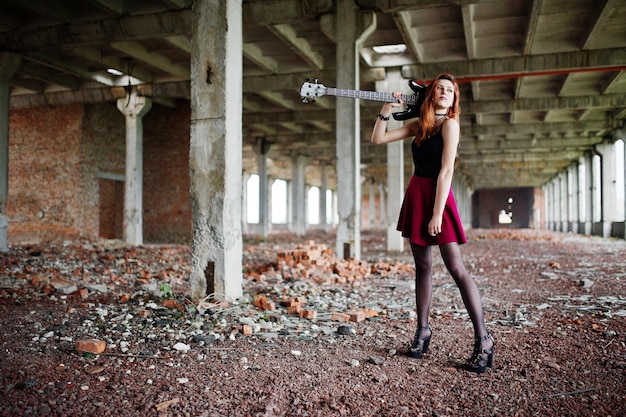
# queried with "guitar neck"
point(371, 95)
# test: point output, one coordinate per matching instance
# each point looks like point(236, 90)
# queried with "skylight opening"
point(114, 71)
point(390, 49)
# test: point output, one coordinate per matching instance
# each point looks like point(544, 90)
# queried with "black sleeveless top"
point(427, 156)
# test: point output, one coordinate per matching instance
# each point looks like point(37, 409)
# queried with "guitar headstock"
point(309, 91)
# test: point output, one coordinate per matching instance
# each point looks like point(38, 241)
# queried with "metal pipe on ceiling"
point(530, 74)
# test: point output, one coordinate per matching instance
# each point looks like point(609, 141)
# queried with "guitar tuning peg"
point(316, 80)
point(305, 100)
point(307, 79)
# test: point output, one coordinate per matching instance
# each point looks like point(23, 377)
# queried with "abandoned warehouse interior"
point(161, 150)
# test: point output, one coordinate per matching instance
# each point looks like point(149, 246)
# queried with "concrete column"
point(555, 204)
point(334, 214)
point(349, 39)
point(550, 205)
point(9, 63)
point(596, 195)
point(621, 134)
point(572, 197)
point(395, 190)
point(547, 190)
point(372, 203)
point(289, 202)
point(298, 185)
point(612, 184)
point(546, 205)
point(307, 189)
point(382, 206)
point(463, 197)
point(134, 107)
point(270, 182)
point(216, 149)
point(245, 227)
point(323, 188)
point(347, 133)
point(558, 203)
point(580, 195)
point(395, 168)
point(262, 148)
point(564, 209)
point(589, 194)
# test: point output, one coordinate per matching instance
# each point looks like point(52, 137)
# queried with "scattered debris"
point(94, 346)
point(165, 404)
point(182, 347)
point(563, 394)
point(306, 308)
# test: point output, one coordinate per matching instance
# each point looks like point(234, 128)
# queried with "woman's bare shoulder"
point(451, 121)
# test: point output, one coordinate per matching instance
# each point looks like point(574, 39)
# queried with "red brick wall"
point(166, 199)
point(59, 157)
point(111, 209)
point(104, 138)
point(45, 184)
point(104, 155)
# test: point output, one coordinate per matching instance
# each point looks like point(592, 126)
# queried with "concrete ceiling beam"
point(112, 6)
point(522, 66)
point(95, 55)
point(126, 28)
point(300, 46)
point(140, 53)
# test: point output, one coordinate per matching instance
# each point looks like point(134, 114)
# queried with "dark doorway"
point(111, 209)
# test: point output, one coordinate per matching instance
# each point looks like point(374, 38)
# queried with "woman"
point(429, 215)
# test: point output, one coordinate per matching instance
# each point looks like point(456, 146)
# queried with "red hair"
point(427, 122)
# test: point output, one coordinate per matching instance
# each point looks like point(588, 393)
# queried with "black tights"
point(451, 255)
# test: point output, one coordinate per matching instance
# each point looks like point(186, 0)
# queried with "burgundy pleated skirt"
point(417, 210)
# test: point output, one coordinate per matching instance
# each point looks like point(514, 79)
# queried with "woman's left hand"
point(434, 226)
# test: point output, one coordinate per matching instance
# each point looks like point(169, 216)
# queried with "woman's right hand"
point(389, 105)
point(380, 135)
point(398, 96)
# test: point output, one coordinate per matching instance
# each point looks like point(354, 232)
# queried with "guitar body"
point(311, 90)
point(412, 110)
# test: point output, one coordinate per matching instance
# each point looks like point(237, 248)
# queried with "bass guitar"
point(309, 91)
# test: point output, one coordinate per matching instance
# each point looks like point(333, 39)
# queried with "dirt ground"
point(555, 303)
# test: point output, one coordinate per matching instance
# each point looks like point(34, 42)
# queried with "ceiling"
point(541, 81)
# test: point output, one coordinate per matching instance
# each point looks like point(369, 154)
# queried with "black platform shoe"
point(481, 358)
point(419, 346)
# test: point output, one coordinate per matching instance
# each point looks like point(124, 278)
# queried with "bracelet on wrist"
point(381, 117)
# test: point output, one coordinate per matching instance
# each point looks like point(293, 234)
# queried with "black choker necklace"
point(443, 114)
